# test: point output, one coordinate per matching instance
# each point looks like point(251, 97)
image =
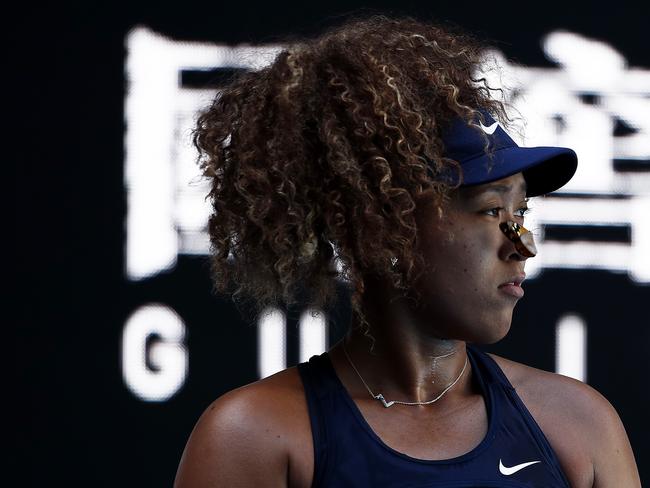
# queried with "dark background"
point(76, 424)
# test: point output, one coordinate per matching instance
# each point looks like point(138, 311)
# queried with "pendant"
point(383, 400)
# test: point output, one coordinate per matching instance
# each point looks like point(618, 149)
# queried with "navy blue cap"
point(545, 169)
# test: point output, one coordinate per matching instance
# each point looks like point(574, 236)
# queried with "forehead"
point(513, 186)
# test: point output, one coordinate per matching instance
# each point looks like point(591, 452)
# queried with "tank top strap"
point(489, 371)
point(320, 383)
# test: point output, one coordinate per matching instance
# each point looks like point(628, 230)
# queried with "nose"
point(523, 240)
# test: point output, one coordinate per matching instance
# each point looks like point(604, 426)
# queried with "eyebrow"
point(497, 188)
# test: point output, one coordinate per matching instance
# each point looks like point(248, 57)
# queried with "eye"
point(493, 212)
point(522, 211)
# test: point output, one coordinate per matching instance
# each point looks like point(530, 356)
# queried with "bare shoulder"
point(248, 436)
point(541, 389)
point(581, 425)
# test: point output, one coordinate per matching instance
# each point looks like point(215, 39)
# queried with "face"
point(473, 272)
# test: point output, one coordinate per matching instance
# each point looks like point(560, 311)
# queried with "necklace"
point(387, 404)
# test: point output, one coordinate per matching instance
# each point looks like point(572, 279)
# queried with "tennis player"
point(378, 155)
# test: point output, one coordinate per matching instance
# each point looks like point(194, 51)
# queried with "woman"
point(373, 149)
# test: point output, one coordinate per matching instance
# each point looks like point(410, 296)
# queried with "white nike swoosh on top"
point(512, 470)
point(489, 130)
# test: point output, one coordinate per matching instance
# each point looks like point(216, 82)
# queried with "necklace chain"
point(386, 403)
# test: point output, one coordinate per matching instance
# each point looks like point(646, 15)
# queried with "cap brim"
point(545, 169)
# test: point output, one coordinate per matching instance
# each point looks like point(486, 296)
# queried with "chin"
point(492, 332)
point(496, 337)
point(486, 333)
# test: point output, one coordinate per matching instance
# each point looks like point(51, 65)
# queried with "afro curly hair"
point(316, 161)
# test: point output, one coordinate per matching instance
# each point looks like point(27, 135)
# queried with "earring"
point(393, 261)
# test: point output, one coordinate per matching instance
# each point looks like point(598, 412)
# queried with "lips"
point(513, 287)
point(514, 280)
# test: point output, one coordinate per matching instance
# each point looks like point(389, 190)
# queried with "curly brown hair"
point(317, 161)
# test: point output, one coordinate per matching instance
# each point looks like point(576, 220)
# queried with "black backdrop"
point(77, 424)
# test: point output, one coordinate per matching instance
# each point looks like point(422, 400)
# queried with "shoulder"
point(248, 436)
point(263, 407)
point(581, 425)
point(545, 389)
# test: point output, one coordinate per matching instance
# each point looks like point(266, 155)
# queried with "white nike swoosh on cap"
point(512, 470)
point(489, 130)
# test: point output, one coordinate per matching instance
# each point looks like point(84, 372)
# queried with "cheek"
point(459, 286)
point(448, 261)
point(466, 252)
point(459, 267)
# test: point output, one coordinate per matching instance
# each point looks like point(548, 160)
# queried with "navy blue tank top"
point(348, 453)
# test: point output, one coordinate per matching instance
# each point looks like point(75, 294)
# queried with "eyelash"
point(523, 210)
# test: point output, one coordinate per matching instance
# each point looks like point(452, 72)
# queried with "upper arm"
point(614, 464)
point(237, 442)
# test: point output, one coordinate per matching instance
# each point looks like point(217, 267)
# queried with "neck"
point(402, 358)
